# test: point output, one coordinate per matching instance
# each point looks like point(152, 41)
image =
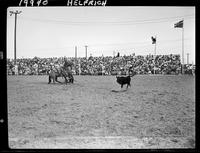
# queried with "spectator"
point(163, 64)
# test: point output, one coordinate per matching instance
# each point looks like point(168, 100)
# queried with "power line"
point(136, 43)
point(129, 22)
point(144, 43)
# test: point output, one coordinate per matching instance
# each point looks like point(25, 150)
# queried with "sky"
point(55, 31)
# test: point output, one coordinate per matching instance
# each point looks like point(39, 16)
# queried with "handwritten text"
point(86, 2)
point(33, 2)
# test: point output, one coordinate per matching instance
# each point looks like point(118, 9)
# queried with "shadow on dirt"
point(46, 83)
point(119, 91)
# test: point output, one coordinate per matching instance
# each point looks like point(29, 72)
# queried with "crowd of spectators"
point(108, 65)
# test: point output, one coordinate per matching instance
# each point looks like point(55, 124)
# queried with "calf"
point(124, 80)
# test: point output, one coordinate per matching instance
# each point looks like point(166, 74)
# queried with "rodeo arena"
point(129, 101)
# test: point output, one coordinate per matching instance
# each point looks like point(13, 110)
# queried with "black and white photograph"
point(113, 77)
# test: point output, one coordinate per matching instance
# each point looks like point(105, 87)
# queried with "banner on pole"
point(179, 24)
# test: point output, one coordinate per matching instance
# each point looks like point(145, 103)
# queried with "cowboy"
point(67, 65)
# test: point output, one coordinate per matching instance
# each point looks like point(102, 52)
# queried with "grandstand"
point(102, 65)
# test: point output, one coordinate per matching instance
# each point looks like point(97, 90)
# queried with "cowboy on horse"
point(64, 71)
point(68, 69)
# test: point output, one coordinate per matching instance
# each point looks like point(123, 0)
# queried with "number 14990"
point(33, 2)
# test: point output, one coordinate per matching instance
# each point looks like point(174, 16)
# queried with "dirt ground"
point(156, 112)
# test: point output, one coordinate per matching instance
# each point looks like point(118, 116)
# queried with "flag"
point(153, 40)
point(179, 24)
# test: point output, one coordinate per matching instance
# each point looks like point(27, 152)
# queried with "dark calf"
point(124, 80)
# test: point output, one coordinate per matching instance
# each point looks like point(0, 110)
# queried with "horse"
point(61, 72)
point(66, 73)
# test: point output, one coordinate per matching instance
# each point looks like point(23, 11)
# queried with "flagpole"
point(183, 49)
point(155, 56)
point(180, 24)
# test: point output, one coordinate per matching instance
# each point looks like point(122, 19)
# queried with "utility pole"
point(75, 53)
point(16, 12)
point(86, 51)
point(75, 59)
point(187, 58)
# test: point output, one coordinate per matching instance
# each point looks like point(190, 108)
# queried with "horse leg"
point(65, 79)
point(72, 78)
point(49, 80)
point(69, 79)
point(57, 79)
